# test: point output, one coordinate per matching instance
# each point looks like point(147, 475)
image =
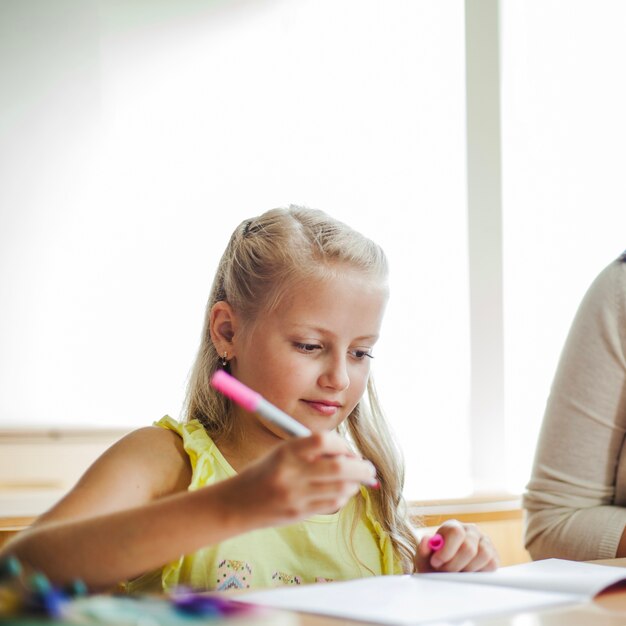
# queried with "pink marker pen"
point(436, 542)
point(256, 403)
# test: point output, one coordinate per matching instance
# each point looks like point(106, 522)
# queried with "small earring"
point(224, 359)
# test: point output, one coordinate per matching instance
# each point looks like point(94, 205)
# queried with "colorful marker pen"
point(12, 590)
point(436, 542)
point(256, 403)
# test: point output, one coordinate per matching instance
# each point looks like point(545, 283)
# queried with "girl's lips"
point(324, 408)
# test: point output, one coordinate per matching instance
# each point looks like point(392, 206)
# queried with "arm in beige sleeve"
point(570, 499)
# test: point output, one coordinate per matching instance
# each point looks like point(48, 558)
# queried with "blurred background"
point(481, 143)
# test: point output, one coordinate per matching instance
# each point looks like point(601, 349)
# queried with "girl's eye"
point(307, 347)
point(361, 354)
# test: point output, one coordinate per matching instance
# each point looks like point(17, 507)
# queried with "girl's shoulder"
point(205, 459)
point(155, 456)
point(152, 441)
point(160, 452)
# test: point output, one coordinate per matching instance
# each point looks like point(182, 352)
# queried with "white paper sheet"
point(406, 600)
point(586, 579)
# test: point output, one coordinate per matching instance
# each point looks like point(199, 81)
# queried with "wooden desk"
point(608, 609)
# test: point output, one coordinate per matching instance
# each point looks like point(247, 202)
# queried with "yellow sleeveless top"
point(320, 548)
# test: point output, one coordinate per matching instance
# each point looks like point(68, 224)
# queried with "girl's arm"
point(88, 534)
point(131, 513)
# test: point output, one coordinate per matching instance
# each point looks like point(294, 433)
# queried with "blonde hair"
point(264, 258)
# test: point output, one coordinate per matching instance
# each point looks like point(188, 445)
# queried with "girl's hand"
point(299, 478)
point(466, 549)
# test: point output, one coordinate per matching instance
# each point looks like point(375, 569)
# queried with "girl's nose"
point(335, 375)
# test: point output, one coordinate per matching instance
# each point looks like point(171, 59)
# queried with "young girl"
point(294, 312)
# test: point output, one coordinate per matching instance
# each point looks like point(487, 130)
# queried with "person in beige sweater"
point(576, 498)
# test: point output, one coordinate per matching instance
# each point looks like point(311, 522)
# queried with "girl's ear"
point(223, 324)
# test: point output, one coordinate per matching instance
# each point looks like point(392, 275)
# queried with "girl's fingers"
point(328, 458)
point(423, 555)
point(423, 548)
point(465, 549)
point(454, 535)
point(459, 560)
point(492, 565)
point(342, 468)
point(486, 558)
point(333, 490)
point(324, 497)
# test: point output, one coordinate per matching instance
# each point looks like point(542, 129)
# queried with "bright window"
point(564, 155)
point(137, 135)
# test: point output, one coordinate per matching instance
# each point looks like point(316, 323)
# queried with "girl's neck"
point(242, 447)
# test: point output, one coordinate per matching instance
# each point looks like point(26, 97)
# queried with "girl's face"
point(311, 356)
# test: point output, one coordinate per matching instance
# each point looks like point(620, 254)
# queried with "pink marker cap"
point(436, 542)
point(233, 389)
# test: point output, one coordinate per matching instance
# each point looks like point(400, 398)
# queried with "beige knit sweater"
point(576, 497)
